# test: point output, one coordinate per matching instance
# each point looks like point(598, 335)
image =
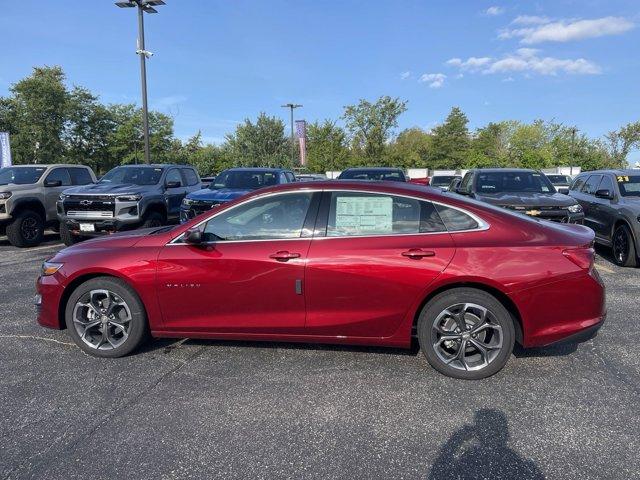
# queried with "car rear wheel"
point(466, 333)
point(26, 229)
point(106, 318)
point(153, 220)
point(624, 250)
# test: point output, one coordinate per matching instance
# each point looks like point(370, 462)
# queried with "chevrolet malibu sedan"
point(361, 263)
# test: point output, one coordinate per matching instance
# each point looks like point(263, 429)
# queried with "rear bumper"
point(567, 310)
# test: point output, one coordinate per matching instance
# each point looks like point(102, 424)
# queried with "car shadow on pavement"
point(560, 350)
point(481, 450)
point(49, 237)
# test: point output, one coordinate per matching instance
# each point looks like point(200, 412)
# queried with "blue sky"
point(217, 62)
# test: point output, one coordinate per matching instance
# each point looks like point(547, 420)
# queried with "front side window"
point(577, 184)
point(173, 176)
point(606, 184)
point(591, 185)
point(190, 176)
point(59, 175)
point(134, 175)
point(244, 179)
point(273, 217)
point(465, 185)
point(369, 214)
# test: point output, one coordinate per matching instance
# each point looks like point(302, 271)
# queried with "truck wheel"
point(624, 249)
point(67, 237)
point(153, 220)
point(26, 229)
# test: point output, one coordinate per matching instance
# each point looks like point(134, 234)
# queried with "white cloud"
point(508, 79)
point(435, 80)
point(526, 60)
point(530, 20)
point(566, 31)
point(168, 101)
point(493, 11)
point(405, 75)
point(471, 63)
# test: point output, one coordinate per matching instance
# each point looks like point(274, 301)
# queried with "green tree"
point(621, 142)
point(412, 148)
point(370, 126)
point(451, 141)
point(35, 116)
point(262, 143)
point(326, 147)
point(529, 147)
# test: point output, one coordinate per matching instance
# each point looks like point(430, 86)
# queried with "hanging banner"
point(5, 150)
point(301, 131)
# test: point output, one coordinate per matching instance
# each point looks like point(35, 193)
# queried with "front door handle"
point(283, 255)
point(418, 253)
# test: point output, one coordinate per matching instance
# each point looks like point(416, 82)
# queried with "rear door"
point(371, 259)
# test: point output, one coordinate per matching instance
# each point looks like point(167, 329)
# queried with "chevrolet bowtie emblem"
point(533, 213)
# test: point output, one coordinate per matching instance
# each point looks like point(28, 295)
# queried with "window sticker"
point(622, 178)
point(364, 214)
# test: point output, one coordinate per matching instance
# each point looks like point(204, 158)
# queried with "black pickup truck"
point(126, 197)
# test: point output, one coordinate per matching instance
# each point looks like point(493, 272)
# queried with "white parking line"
point(604, 269)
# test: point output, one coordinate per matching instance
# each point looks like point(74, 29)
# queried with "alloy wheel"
point(29, 228)
point(466, 336)
point(102, 319)
point(620, 245)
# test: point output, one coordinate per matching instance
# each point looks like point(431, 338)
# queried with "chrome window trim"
point(482, 225)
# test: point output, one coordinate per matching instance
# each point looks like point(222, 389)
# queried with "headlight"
point(128, 198)
point(575, 208)
point(5, 195)
point(49, 268)
point(187, 201)
point(62, 196)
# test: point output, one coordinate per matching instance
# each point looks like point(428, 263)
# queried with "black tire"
point(153, 220)
point(26, 229)
point(623, 247)
point(138, 329)
point(67, 237)
point(443, 353)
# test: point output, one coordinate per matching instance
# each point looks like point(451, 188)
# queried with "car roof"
point(506, 170)
point(373, 169)
point(256, 169)
point(154, 165)
point(615, 171)
point(48, 165)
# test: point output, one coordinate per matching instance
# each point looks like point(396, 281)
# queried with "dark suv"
point(523, 190)
point(126, 197)
point(229, 185)
point(373, 173)
point(611, 202)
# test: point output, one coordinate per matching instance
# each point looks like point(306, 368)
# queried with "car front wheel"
point(624, 250)
point(466, 333)
point(26, 229)
point(106, 318)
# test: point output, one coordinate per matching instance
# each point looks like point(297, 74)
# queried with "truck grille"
point(89, 206)
point(89, 214)
point(555, 214)
point(201, 207)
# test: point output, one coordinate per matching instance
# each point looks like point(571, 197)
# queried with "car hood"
point(13, 187)
point(221, 195)
point(117, 240)
point(109, 189)
point(528, 199)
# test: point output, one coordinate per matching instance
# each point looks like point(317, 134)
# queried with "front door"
point(248, 277)
point(57, 181)
point(379, 255)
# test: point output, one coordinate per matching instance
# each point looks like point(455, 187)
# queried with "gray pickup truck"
point(28, 196)
point(126, 197)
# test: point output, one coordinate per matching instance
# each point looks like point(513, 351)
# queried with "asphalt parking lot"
point(207, 409)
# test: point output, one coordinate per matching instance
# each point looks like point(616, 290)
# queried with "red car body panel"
point(351, 290)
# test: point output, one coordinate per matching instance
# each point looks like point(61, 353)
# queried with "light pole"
point(144, 6)
point(292, 107)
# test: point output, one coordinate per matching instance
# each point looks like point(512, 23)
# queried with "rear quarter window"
point(456, 220)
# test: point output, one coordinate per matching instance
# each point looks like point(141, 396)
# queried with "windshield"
point(20, 175)
point(388, 175)
point(135, 175)
point(629, 185)
point(244, 180)
point(442, 180)
point(559, 179)
point(499, 182)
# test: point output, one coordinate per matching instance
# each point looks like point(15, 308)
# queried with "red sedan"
point(335, 262)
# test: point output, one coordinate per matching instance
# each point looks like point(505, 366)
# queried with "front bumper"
point(49, 292)
point(187, 212)
point(107, 217)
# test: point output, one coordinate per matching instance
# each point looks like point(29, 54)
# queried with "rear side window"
point(591, 185)
point(80, 176)
point(577, 185)
point(290, 177)
point(61, 175)
point(456, 220)
point(363, 214)
point(190, 176)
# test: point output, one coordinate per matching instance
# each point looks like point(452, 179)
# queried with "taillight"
point(582, 257)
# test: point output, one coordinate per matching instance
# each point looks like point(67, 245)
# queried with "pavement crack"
point(42, 339)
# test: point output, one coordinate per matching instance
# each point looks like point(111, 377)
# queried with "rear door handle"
point(418, 253)
point(283, 256)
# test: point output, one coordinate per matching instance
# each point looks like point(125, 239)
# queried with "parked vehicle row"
point(350, 262)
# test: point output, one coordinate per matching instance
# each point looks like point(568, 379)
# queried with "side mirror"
point(193, 236)
point(604, 194)
point(53, 183)
point(172, 184)
point(563, 190)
